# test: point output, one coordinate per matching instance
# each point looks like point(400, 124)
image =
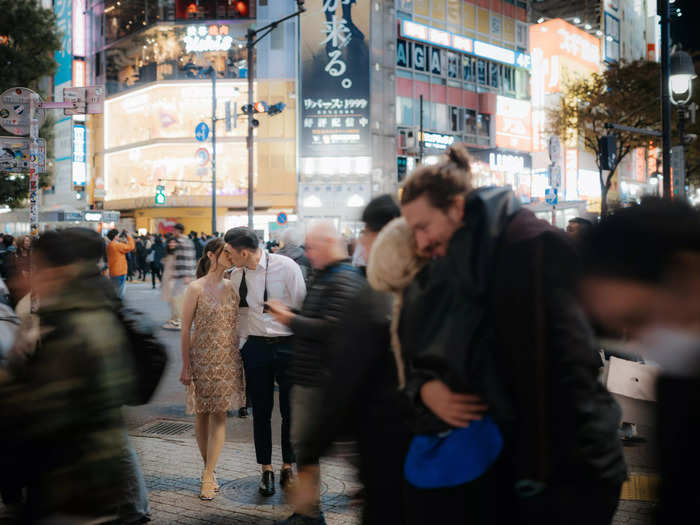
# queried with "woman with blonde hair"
point(212, 368)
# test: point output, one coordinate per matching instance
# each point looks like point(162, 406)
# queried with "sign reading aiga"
point(207, 38)
point(335, 79)
point(437, 37)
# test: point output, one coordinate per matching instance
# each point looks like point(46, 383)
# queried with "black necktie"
point(243, 292)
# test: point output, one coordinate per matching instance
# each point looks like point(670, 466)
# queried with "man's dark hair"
point(87, 243)
point(111, 234)
point(441, 183)
point(583, 222)
point(180, 227)
point(640, 243)
point(379, 212)
point(242, 237)
point(56, 249)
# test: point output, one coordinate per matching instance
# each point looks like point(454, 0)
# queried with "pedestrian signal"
point(276, 109)
point(607, 147)
point(160, 195)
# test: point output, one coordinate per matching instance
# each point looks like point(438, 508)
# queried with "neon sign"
point(207, 38)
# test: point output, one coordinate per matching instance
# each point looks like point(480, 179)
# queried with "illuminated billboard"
point(169, 110)
point(513, 124)
point(135, 172)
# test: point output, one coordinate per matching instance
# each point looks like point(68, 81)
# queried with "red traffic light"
point(242, 8)
point(260, 107)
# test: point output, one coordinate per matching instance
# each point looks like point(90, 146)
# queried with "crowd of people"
point(457, 350)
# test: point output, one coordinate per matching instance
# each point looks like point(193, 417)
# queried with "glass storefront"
point(137, 171)
point(169, 111)
point(125, 17)
point(173, 52)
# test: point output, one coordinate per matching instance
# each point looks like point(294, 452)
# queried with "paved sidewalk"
point(172, 468)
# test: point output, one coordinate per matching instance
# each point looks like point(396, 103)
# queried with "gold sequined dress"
point(218, 382)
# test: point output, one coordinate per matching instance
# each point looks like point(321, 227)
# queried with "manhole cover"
point(166, 428)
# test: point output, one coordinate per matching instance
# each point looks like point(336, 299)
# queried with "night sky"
point(684, 30)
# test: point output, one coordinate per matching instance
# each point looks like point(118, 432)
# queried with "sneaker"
point(171, 325)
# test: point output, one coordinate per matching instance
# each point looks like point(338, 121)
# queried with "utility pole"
point(252, 39)
point(664, 10)
point(213, 150)
point(251, 116)
point(420, 133)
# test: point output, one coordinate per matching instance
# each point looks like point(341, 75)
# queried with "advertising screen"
point(513, 124)
point(335, 107)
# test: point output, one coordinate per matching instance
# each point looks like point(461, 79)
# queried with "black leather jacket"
point(498, 317)
point(328, 298)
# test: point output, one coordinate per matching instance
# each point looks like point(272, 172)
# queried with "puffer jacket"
point(297, 254)
point(329, 297)
point(497, 316)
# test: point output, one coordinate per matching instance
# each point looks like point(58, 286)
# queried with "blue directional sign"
point(201, 132)
point(551, 196)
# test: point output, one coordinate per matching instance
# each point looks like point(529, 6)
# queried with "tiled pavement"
point(172, 468)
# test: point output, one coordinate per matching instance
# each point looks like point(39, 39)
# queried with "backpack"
point(148, 355)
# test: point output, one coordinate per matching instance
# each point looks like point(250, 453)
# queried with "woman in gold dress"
point(212, 368)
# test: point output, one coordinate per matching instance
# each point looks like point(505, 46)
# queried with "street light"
point(681, 87)
point(682, 75)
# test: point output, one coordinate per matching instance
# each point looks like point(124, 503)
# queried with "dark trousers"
point(156, 271)
point(265, 362)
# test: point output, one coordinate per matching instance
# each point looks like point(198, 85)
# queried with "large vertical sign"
point(335, 106)
point(64, 56)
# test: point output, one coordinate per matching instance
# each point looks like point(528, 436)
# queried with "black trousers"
point(267, 362)
point(156, 271)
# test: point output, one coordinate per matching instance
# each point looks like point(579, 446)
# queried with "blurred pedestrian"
point(578, 228)
point(183, 273)
point(18, 268)
point(212, 368)
point(198, 245)
point(502, 369)
point(643, 282)
point(168, 283)
point(140, 253)
point(62, 434)
point(335, 287)
point(362, 390)
point(120, 244)
point(291, 247)
point(157, 254)
point(266, 345)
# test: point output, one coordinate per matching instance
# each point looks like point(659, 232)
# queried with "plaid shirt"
point(185, 259)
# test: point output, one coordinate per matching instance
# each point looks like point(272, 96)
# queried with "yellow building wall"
point(193, 219)
point(508, 29)
point(483, 21)
point(438, 9)
point(469, 17)
point(421, 7)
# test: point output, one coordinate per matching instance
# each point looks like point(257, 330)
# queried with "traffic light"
point(607, 147)
point(241, 8)
point(252, 109)
point(160, 195)
point(276, 109)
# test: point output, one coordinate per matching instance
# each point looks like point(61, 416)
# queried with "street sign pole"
point(251, 76)
point(213, 151)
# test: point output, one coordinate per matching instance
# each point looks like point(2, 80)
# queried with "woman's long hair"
point(214, 246)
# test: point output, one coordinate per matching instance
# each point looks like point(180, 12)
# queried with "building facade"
point(154, 57)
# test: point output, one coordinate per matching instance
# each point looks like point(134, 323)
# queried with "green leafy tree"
point(28, 40)
point(626, 93)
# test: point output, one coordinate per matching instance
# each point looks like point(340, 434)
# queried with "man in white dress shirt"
point(265, 344)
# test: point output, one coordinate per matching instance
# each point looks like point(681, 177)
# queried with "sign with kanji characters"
point(335, 105)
